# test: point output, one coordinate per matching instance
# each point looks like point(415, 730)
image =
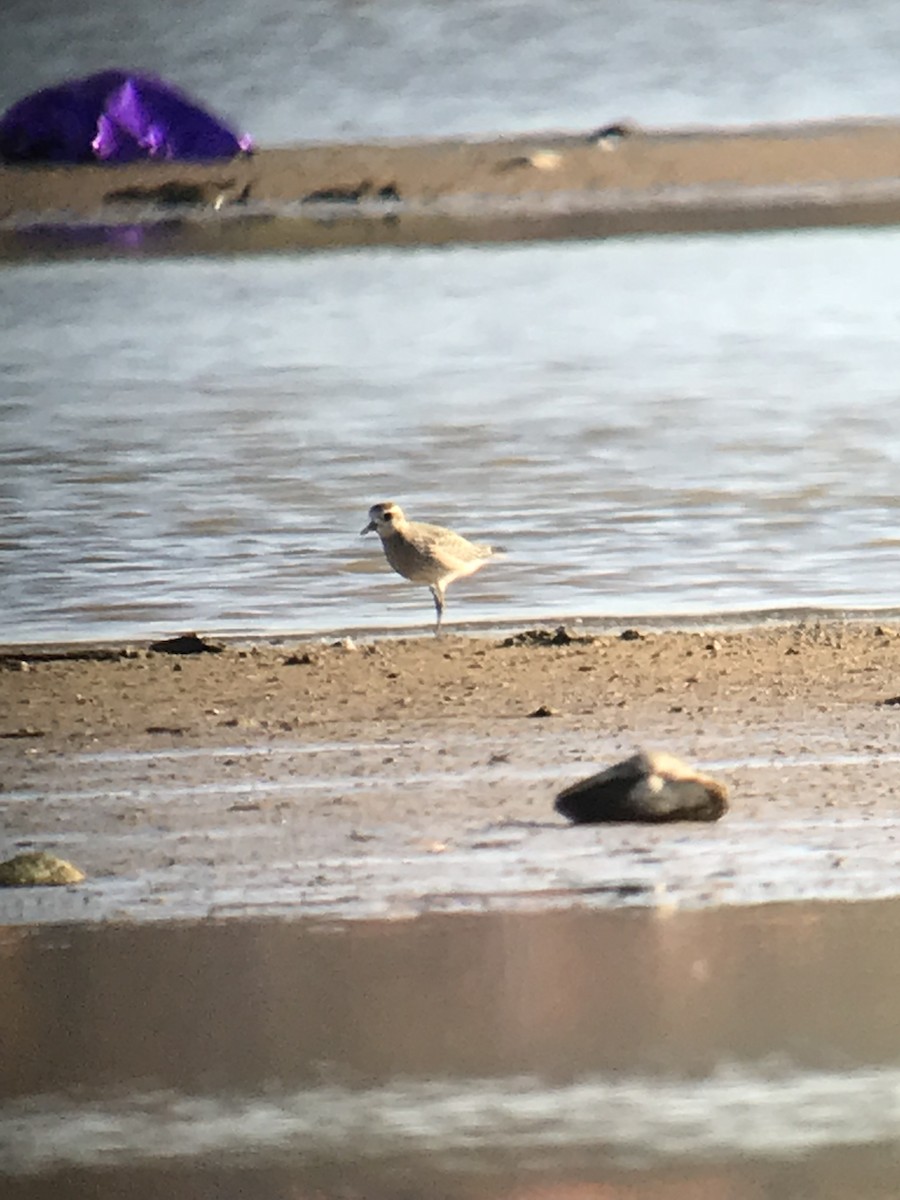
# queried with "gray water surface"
point(663, 426)
point(319, 69)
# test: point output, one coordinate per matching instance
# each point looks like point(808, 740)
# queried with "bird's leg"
point(438, 597)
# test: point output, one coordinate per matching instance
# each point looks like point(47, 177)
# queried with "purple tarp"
point(114, 116)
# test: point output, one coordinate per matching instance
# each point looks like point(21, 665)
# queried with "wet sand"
point(530, 186)
point(403, 775)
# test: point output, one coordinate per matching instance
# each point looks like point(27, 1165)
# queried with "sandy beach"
point(402, 774)
point(189, 784)
point(545, 185)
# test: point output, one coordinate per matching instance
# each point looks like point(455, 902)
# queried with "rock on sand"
point(650, 786)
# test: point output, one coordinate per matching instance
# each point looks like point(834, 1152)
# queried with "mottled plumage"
point(426, 554)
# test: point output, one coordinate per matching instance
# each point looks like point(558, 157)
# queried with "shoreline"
point(635, 662)
point(539, 186)
point(404, 775)
point(773, 617)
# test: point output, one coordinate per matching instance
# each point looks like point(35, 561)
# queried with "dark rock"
point(613, 133)
point(339, 195)
point(651, 786)
point(510, 164)
point(187, 643)
point(560, 636)
point(166, 195)
point(179, 194)
point(18, 660)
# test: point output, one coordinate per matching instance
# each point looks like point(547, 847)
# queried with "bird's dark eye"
point(388, 516)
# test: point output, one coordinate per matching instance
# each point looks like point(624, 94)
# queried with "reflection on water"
point(692, 426)
point(467, 1053)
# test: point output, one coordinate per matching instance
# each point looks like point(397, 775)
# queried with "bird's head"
point(384, 518)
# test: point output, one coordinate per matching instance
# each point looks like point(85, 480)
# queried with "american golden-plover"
point(425, 553)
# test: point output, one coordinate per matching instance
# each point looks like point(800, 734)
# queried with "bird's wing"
point(436, 541)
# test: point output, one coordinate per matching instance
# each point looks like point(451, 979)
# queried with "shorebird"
point(425, 553)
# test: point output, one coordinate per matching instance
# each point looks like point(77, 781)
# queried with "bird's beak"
point(370, 528)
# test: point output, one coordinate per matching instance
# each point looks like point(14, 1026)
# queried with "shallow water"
point(691, 426)
point(319, 69)
point(467, 1056)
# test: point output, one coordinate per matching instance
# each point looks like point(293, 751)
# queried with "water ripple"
point(765, 1111)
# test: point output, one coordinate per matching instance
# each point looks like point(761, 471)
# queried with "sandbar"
point(540, 186)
